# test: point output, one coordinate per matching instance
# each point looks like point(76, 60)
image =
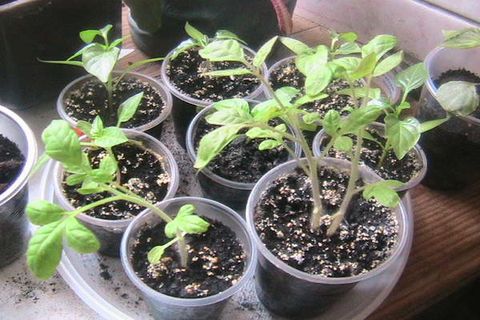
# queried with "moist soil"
point(216, 262)
point(241, 161)
point(392, 168)
point(185, 72)
point(141, 170)
point(11, 162)
point(362, 243)
point(90, 100)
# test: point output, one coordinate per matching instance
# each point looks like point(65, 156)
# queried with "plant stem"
point(95, 204)
point(109, 87)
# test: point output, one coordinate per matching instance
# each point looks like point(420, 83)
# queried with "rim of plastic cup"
point(215, 177)
point(266, 180)
point(30, 158)
point(191, 302)
point(197, 102)
point(160, 87)
point(161, 150)
point(431, 85)
point(419, 154)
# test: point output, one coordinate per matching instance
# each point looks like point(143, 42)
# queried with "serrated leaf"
point(110, 137)
point(99, 61)
point(128, 107)
point(331, 122)
point(62, 143)
point(89, 187)
point(402, 135)
point(236, 113)
point(155, 254)
point(223, 50)
point(264, 52)
point(75, 179)
point(265, 111)
point(258, 133)
point(269, 144)
point(458, 97)
point(388, 64)
point(312, 117)
point(108, 164)
point(80, 238)
point(42, 212)
point(344, 143)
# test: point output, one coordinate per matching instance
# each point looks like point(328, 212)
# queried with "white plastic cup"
point(166, 307)
point(13, 200)
point(288, 292)
point(110, 232)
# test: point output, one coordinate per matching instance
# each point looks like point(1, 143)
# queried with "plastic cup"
point(14, 227)
point(110, 232)
point(153, 127)
point(288, 292)
point(171, 308)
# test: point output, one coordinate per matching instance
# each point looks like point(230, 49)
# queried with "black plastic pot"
point(14, 226)
point(46, 29)
point(452, 149)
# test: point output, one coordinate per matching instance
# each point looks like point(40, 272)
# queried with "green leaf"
point(62, 143)
point(214, 142)
point(349, 64)
point(383, 193)
point(331, 122)
point(42, 212)
point(359, 118)
point(85, 127)
point(128, 107)
point(306, 62)
point(432, 124)
point(307, 99)
point(108, 166)
point(458, 97)
point(171, 229)
point(348, 48)
point(227, 72)
point(402, 135)
point(110, 137)
point(225, 34)
point(75, 179)
point(412, 78)
point(317, 79)
point(45, 250)
point(97, 127)
point(365, 68)
point(344, 143)
point(229, 116)
point(264, 52)
point(348, 36)
point(223, 50)
point(312, 117)
point(462, 39)
point(265, 111)
point(186, 210)
point(105, 30)
point(379, 45)
point(286, 95)
point(99, 61)
point(42, 160)
point(269, 144)
point(88, 36)
point(191, 224)
point(89, 187)
point(182, 47)
point(296, 46)
point(155, 254)
point(360, 92)
point(79, 238)
point(194, 33)
point(388, 64)
point(258, 133)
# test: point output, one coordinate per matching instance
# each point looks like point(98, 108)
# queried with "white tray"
point(117, 298)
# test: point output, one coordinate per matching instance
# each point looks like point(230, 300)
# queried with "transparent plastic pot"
point(153, 127)
point(288, 292)
point(231, 193)
point(14, 227)
point(319, 139)
point(452, 149)
point(110, 232)
point(172, 308)
point(186, 107)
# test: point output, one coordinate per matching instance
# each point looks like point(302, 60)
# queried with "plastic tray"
point(101, 283)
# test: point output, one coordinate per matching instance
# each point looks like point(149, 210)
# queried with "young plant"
point(101, 58)
point(460, 97)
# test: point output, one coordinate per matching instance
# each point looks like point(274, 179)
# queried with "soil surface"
point(241, 161)
point(217, 262)
point(363, 241)
point(185, 72)
point(11, 162)
point(142, 171)
point(402, 170)
point(90, 100)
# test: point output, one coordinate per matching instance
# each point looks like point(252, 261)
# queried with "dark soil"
point(90, 100)
point(362, 243)
point(11, 162)
point(142, 172)
point(185, 72)
point(217, 262)
point(392, 168)
point(241, 161)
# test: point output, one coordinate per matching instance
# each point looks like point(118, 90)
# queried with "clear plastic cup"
point(14, 227)
point(380, 128)
point(153, 127)
point(110, 232)
point(288, 292)
point(171, 308)
point(452, 149)
point(231, 193)
point(186, 107)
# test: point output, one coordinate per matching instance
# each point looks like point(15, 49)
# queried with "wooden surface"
point(446, 247)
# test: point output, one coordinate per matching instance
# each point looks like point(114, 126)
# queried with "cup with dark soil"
point(301, 272)
point(285, 73)
point(452, 149)
point(193, 91)
point(86, 97)
point(221, 261)
point(410, 169)
point(231, 176)
point(148, 170)
point(18, 152)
